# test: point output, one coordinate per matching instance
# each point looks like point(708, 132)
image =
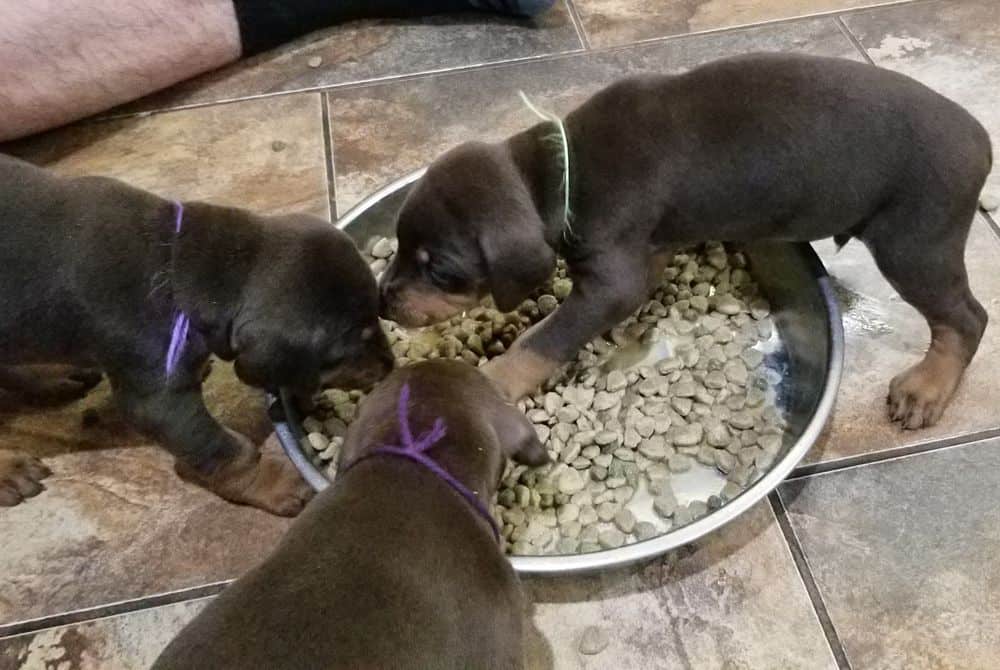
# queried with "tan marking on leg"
point(262, 478)
point(919, 396)
point(520, 371)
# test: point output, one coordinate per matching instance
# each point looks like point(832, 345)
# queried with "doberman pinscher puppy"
point(755, 147)
point(392, 566)
point(94, 273)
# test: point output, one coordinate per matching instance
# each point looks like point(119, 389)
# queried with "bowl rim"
point(284, 417)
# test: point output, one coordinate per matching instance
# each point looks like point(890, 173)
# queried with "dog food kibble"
point(679, 390)
point(593, 641)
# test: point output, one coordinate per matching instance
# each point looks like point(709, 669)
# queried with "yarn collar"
point(560, 139)
point(416, 450)
point(181, 324)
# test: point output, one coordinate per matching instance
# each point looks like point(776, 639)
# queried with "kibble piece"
point(679, 463)
point(317, 441)
point(604, 401)
point(665, 504)
point(698, 508)
point(606, 437)
point(736, 372)
point(771, 444)
point(718, 435)
point(683, 516)
point(623, 494)
point(654, 448)
point(728, 305)
point(567, 545)
point(616, 381)
point(624, 454)
point(612, 538)
point(689, 435)
point(547, 304)
point(382, 248)
point(625, 520)
point(593, 641)
point(730, 491)
point(567, 513)
point(571, 481)
point(588, 516)
point(645, 530)
point(606, 511)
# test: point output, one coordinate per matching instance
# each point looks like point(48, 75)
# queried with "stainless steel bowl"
point(808, 362)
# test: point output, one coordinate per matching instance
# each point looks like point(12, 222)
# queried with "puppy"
point(765, 146)
point(94, 274)
point(390, 567)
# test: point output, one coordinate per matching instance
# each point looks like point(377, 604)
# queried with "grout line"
point(348, 85)
point(331, 171)
point(541, 58)
point(812, 589)
point(111, 609)
point(852, 38)
point(581, 32)
point(872, 458)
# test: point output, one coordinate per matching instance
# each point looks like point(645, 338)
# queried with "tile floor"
point(879, 553)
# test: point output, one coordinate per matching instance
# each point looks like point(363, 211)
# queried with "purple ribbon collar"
point(181, 322)
point(415, 450)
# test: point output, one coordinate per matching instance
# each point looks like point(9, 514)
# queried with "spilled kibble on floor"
point(678, 386)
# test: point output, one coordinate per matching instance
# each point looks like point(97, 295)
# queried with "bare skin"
point(67, 59)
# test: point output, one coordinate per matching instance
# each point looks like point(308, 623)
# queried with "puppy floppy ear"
point(517, 257)
point(518, 437)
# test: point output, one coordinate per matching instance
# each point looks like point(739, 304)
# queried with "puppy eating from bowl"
point(397, 564)
point(106, 278)
point(759, 147)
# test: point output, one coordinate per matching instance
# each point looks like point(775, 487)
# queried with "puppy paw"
point(263, 478)
point(278, 486)
point(518, 373)
point(918, 397)
point(21, 477)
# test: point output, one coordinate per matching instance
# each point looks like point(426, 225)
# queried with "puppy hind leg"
point(924, 260)
point(48, 385)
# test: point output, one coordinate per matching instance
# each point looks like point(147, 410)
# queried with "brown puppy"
point(93, 273)
point(390, 567)
point(756, 147)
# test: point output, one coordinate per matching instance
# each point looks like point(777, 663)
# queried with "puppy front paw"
point(21, 477)
point(918, 397)
point(263, 478)
point(519, 372)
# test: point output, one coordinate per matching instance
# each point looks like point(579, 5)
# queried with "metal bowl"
point(806, 361)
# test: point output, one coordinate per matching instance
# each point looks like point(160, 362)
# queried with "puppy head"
point(308, 316)
point(483, 430)
point(468, 228)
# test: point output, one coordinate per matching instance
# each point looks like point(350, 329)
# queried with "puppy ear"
point(517, 257)
point(266, 358)
point(518, 437)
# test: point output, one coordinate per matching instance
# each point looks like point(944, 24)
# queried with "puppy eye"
point(423, 257)
point(443, 278)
